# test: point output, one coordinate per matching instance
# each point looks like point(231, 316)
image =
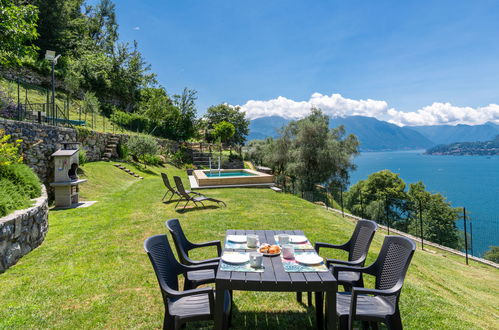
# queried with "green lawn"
point(92, 272)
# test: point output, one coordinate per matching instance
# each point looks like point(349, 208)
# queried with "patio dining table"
point(275, 278)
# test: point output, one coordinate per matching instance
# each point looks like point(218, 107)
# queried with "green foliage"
point(82, 156)
point(18, 184)
point(17, 29)
point(492, 254)
point(223, 131)
point(83, 132)
point(9, 151)
point(23, 177)
point(382, 197)
point(123, 152)
point(256, 150)
point(154, 160)
point(11, 197)
point(234, 115)
point(142, 146)
point(311, 153)
point(90, 104)
point(186, 104)
point(179, 157)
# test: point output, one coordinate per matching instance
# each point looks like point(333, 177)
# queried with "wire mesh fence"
point(455, 229)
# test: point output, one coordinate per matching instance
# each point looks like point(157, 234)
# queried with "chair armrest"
point(342, 262)
point(192, 292)
point(191, 268)
point(376, 292)
point(319, 245)
point(338, 268)
point(218, 244)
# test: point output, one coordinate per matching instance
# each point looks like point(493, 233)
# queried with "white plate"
point(237, 238)
point(297, 239)
point(235, 258)
point(308, 259)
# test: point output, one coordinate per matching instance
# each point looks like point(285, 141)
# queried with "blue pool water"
point(470, 181)
point(227, 174)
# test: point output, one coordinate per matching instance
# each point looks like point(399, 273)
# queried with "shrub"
point(12, 197)
point(23, 177)
point(9, 151)
point(151, 160)
point(82, 156)
point(123, 152)
point(139, 146)
point(492, 254)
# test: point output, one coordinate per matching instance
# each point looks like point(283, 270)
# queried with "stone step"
point(107, 154)
point(110, 150)
point(104, 159)
point(111, 145)
point(127, 170)
point(117, 165)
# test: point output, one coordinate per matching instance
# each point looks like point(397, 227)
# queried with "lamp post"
point(50, 56)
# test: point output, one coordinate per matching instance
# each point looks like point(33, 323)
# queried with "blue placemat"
point(291, 266)
point(239, 267)
point(298, 246)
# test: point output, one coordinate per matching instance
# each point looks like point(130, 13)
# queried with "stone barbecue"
point(66, 181)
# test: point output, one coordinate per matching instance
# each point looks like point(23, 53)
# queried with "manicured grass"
point(92, 272)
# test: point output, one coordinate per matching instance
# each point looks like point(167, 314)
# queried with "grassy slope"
point(91, 271)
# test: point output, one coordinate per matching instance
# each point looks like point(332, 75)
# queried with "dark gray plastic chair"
point(380, 304)
point(183, 246)
point(194, 199)
point(357, 248)
point(171, 190)
point(181, 306)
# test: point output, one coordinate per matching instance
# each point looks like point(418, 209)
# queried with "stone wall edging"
point(23, 230)
point(418, 240)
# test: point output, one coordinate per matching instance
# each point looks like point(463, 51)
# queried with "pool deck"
point(194, 185)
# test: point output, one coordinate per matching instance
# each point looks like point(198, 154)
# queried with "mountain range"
point(378, 135)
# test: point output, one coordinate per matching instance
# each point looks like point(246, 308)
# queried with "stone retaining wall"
point(22, 231)
point(40, 141)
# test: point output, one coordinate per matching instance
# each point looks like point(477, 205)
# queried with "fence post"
point(465, 235)
point(341, 199)
point(361, 206)
point(421, 223)
point(18, 100)
point(471, 236)
point(386, 215)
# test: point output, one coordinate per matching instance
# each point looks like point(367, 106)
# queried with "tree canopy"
point(17, 29)
point(231, 114)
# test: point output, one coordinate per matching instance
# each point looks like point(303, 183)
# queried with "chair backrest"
point(361, 240)
point(166, 267)
point(180, 187)
point(181, 242)
point(392, 263)
point(166, 181)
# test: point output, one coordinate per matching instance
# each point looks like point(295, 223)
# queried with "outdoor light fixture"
point(50, 56)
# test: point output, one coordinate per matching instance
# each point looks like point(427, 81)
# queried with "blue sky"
point(409, 54)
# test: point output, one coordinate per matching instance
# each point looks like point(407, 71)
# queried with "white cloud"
point(336, 105)
point(137, 28)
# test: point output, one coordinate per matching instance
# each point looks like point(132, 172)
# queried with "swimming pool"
point(231, 178)
point(216, 174)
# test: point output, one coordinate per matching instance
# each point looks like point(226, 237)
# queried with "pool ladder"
point(219, 168)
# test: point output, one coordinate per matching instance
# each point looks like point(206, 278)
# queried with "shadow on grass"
point(195, 208)
point(265, 320)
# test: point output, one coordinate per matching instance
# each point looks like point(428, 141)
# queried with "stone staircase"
point(111, 150)
point(201, 158)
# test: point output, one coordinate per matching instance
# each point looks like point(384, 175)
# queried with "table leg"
point(331, 316)
point(219, 307)
point(319, 310)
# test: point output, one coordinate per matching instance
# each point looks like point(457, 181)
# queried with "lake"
point(469, 181)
